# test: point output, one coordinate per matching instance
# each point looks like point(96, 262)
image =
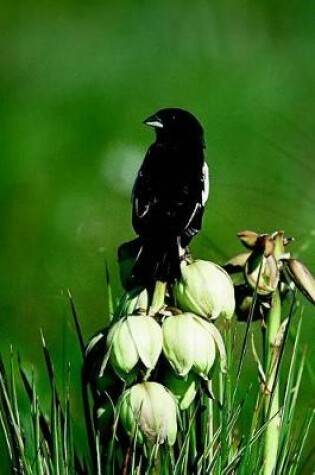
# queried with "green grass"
point(211, 437)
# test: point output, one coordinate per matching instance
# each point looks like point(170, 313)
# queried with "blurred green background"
point(78, 78)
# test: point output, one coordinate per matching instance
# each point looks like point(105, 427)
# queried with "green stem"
point(272, 386)
point(193, 435)
point(228, 383)
point(227, 402)
point(208, 430)
point(158, 297)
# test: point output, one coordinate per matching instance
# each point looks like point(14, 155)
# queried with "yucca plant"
point(163, 385)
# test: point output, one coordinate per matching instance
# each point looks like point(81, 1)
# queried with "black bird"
point(168, 197)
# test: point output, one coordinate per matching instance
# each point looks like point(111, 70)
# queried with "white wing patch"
point(144, 211)
point(192, 215)
point(205, 181)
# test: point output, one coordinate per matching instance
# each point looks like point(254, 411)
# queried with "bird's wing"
point(143, 197)
point(194, 222)
point(154, 209)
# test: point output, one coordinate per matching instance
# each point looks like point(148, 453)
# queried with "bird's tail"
point(143, 262)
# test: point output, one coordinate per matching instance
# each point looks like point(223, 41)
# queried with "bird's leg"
point(158, 297)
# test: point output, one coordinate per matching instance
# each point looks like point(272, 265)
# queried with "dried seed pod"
point(237, 263)
point(302, 278)
point(248, 239)
point(262, 273)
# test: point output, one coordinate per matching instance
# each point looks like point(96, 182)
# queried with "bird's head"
point(176, 125)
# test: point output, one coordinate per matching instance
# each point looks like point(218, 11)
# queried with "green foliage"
point(209, 440)
point(37, 443)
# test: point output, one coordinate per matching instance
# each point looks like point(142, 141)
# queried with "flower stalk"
point(158, 297)
point(272, 386)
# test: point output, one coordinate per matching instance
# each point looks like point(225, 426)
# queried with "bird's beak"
point(154, 121)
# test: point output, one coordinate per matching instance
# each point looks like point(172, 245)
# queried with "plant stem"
point(193, 435)
point(158, 297)
point(227, 402)
point(88, 419)
point(228, 385)
point(272, 386)
point(208, 430)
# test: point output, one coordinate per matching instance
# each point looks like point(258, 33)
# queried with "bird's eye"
point(173, 117)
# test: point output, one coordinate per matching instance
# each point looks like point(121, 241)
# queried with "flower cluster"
point(161, 358)
point(267, 267)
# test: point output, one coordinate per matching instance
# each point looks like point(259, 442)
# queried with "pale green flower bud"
point(205, 289)
point(133, 302)
point(148, 411)
point(134, 339)
point(262, 273)
point(189, 344)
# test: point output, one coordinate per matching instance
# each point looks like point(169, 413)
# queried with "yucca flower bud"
point(189, 344)
point(205, 289)
point(148, 410)
point(133, 302)
point(262, 273)
point(134, 339)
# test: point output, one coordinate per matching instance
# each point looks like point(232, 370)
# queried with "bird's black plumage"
point(169, 195)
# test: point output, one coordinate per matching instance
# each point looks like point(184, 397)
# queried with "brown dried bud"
point(248, 238)
point(302, 278)
point(262, 273)
point(268, 245)
point(279, 242)
point(237, 263)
